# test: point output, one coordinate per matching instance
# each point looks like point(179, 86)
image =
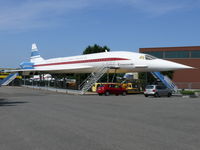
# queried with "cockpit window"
point(149, 57)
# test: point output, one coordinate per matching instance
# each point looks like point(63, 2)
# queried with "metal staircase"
point(9, 79)
point(92, 79)
point(166, 81)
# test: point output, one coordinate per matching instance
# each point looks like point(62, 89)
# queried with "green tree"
point(95, 49)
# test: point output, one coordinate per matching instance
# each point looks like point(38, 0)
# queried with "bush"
point(187, 92)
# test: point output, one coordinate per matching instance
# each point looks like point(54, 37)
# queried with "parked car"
point(96, 85)
point(108, 89)
point(157, 91)
point(130, 87)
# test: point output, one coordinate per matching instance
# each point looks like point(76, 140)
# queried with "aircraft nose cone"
point(177, 66)
point(185, 67)
point(165, 65)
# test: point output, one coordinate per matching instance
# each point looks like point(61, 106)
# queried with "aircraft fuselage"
point(120, 61)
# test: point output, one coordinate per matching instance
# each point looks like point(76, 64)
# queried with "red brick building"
point(188, 79)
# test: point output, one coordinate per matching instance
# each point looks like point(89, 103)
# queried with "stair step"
point(9, 79)
point(92, 79)
point(165, 80)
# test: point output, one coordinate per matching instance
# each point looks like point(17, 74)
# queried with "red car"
point(108, 89)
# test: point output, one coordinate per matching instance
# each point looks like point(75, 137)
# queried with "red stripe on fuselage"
point(81, 61)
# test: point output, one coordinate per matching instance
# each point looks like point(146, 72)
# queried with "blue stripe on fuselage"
point(27, 65)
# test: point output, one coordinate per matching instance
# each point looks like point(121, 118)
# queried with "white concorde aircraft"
point(119, 61)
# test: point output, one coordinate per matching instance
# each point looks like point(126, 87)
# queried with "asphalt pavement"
point(31, 119)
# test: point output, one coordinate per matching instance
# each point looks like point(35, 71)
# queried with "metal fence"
point(188, 85)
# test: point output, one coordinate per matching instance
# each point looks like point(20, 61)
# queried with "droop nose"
point(165, 65)
point(174, 66)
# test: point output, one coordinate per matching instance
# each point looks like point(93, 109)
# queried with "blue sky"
point(67, 27)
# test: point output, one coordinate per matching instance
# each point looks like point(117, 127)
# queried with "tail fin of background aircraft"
point(35, 54)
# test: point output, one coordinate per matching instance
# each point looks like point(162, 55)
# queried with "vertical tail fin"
point(35, 54)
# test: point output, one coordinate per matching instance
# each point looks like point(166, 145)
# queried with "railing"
point(9, 79)
point(188, 85)
point(166, 81)
point(92, 79)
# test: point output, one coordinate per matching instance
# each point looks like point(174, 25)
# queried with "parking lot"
point(42, 120)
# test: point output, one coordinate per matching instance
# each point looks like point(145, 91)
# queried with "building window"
point(195, 54)
point(177, 54)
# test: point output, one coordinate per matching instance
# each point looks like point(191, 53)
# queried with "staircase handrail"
point(93, 78)
point(9, 79)
point(165, 80)
point(93, 73)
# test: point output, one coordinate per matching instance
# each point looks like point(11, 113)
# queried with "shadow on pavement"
point(3, 102)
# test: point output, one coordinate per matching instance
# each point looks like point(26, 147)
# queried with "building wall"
point(188, 48)
point(189, 78)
